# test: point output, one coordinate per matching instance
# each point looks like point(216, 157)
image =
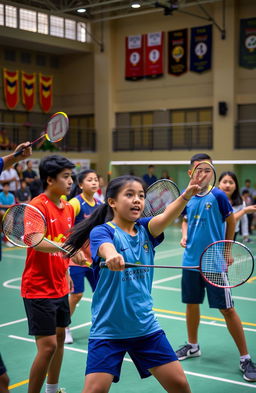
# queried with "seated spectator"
point(6, 200)
point(5, 143)
point(10, 176)
point(23, 194)
point(149, 178)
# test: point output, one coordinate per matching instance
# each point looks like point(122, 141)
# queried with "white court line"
point(13, 322)
point(249, 299)
point(211, 323)
point(231, 381)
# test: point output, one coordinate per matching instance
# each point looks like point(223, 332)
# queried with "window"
point(54, 62)
point(40, 60)
point(10, 16)
point(27, 20)
point(1, 15)
point(81, 32)
point(42, 23)
point(25, 57)
point(70, 29)
point(56, 26)
point(245, 128)
point(10, 54)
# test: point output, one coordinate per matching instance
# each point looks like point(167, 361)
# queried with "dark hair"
point(82, 175)
point(80, 232)
point(200, 157)
point(52, 166)
point(235, 197)
point(6, 183)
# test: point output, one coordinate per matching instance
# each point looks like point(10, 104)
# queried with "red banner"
point(154, 55)
point(11, 88)
point(45, 92)
point(134, 63)
point(28, 89)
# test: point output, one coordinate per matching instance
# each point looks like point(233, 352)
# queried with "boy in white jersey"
point(206, 220)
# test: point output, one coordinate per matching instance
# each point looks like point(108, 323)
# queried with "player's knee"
point(228, 312)
point(76, 297)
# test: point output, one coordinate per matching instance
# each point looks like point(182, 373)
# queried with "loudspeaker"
point(223, 108)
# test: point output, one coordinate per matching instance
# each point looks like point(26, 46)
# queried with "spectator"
point(6, 200)
point(5, 143)
point(19, 169)
point(10, 176)
point(23, 194)
point(247, 186)
point(100, 194)
point(165, 175)
point(248, 201)
point(29, 174)
point(149, 178)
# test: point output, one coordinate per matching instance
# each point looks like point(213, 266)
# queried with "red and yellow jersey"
point(44, 275)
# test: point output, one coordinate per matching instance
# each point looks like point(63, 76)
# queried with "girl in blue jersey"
point(122, 316)
point(83, 204)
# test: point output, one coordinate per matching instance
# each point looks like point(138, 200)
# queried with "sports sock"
point(245, 357)
point(194, 346)
point(51, 387)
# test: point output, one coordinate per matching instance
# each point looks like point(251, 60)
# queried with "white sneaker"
point(68, 337)
point(8, 244)
point(61, 390)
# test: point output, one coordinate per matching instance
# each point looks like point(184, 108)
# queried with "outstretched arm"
point(10, 159)
point(113, 259)
point(159, 223)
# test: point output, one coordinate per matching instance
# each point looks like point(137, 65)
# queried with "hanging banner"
point(154, 55)
point(28, 89)
point(11, 88)
point(178, 52)
point(134, 63)
point(201, 48)
point(247, 53)
point(45, 92)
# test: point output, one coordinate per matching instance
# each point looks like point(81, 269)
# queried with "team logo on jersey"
point(208, 205)
point(146, 248)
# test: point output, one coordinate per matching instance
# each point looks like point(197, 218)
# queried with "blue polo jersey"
point(206, 223)
point(122, 302)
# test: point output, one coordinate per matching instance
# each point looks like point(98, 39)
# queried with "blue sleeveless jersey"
point(122, 302)
point(206, 223)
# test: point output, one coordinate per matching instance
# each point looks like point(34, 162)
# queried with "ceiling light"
point(136, 4)
point(81, 10)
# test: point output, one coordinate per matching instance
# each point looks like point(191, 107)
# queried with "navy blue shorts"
point(106, 356)
point(194, 288)
point(78, 274)
point(45, 315)
point(2, 366)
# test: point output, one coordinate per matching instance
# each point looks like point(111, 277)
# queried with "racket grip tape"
point(104, 265)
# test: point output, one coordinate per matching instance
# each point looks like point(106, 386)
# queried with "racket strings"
point(57, 127)
point(24, 226)
point(159, 196)
point(226, 264)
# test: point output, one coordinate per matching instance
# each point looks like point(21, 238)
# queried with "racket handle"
point(18, 152)
point(126, 265)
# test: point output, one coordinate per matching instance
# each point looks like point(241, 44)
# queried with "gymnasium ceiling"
point(99, 10)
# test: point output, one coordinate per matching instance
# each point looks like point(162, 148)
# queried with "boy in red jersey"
point(44, 285)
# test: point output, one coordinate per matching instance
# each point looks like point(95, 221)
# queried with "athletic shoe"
point(61, 390)
point(187, 351)
point(68, 337)
point(248, 369)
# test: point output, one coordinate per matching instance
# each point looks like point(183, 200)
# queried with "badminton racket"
point(158, 196)
point(223, 264)
point(56, 129)
point(205, 175)
point(25, 226)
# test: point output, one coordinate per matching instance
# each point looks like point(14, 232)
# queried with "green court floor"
point(217, 370)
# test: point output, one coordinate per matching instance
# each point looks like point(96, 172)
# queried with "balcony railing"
point(83, 139)
point(245, 134)
point(180, 136)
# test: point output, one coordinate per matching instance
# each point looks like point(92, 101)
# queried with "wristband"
point(185, 199)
